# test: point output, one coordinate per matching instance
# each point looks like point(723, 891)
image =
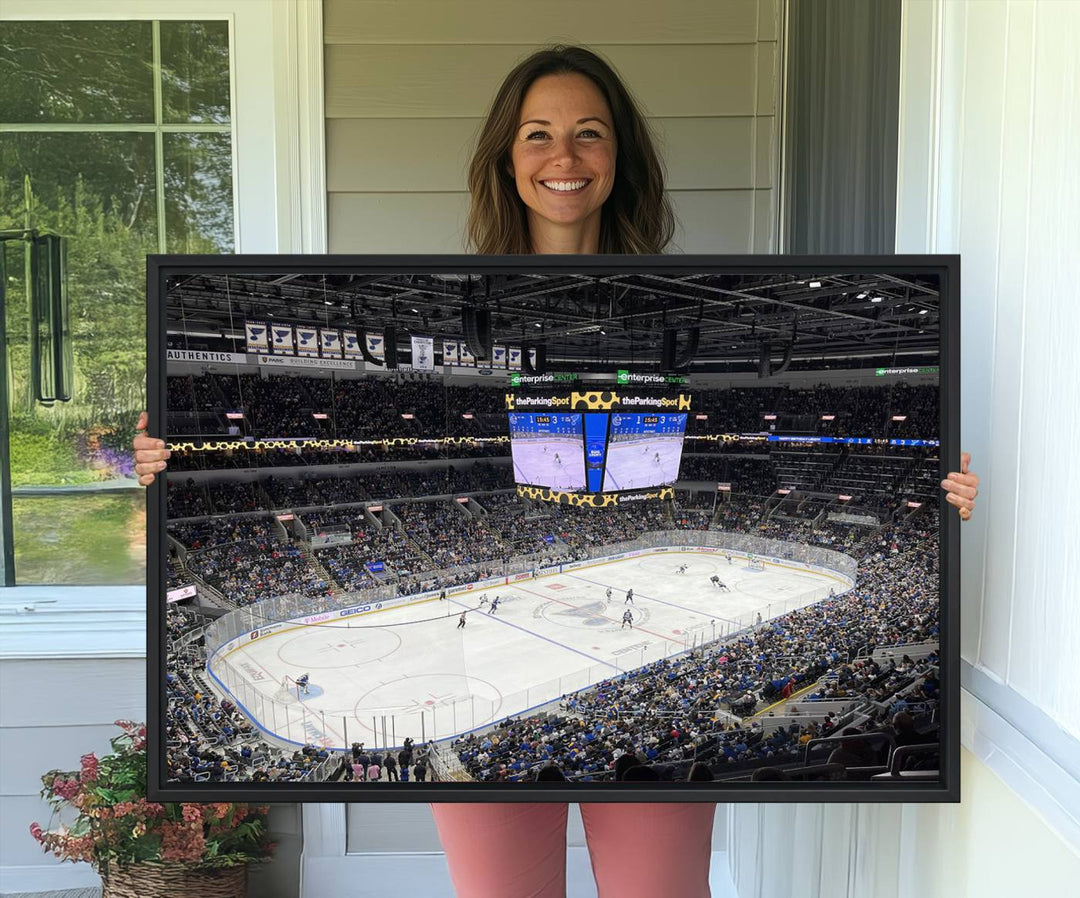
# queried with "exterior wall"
point(988, 128)
point(409, 81)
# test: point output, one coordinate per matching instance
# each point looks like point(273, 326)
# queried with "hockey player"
point(442, 596)
point(461, 621)
point(728, 557)
point(629, 596)
point(722, 585)
point(558, 460)
point(494, 605)
point(681, 569)
point(627, 618)
point(657, 458)
point(302, 682)
point(483, 600)
point(609, 595)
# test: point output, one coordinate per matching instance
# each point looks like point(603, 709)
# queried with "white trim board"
point(278, 144)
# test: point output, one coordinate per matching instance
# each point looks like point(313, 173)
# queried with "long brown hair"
point(637, 216)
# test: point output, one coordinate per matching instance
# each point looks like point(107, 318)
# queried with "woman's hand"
point(962, 487)
point(150, 453)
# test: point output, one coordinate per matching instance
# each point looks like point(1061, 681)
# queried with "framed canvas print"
point(589, 528)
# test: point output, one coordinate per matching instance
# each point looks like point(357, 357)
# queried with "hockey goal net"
point(289, 690)
point(755, 564)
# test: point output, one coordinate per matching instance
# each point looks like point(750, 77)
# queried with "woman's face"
point(563, 156)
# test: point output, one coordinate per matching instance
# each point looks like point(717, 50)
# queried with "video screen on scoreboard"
point(644, 450)
point(548, 449)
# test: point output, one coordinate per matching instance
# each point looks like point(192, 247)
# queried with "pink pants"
point(519, 850)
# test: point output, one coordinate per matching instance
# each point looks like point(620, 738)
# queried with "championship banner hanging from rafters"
point(330, 343)
point(468, 360)
point(376, 345)
point(450, 352)
point(284, 336)
point(256, 333)
point(513, 358)
point(351, 344)
point(498, 356)
point(423, 353)
point(307, 342)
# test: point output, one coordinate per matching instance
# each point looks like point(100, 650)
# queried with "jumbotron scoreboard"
point(596, 448)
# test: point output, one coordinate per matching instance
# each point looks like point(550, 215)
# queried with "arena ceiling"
point(837, 320)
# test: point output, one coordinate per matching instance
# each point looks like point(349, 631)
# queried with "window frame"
point(285, 149)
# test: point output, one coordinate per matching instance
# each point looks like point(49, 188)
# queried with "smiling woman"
point(561, 117)
point(563, 162)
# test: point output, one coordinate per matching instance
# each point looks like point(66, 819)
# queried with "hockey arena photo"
point(551, 528)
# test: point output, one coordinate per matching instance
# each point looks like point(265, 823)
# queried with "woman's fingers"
point(966, 485)
point(150, 452)
point(960, 501)
point(961, 487)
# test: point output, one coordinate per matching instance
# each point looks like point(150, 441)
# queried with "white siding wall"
point(66, 673)
point(989, 131)
point(408, 82)
point(407, 85)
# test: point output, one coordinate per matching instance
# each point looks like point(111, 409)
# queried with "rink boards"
point(384, 670)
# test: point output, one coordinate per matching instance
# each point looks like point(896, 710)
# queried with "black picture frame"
point(945, 789)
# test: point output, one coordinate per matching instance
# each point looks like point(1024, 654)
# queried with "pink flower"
point(150, 808)
point(37, 832)
point(65, 788)
point(181, 842)
point(192, 813)
point(89, 768)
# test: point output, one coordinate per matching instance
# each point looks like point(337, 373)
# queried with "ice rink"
point(636, 464)
point(411, 671)
point(535, 462)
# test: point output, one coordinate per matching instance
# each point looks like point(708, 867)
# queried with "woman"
point(565, 164)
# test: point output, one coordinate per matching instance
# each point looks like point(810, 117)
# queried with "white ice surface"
point(634, 464)
point(534, 463)
point(550, 636)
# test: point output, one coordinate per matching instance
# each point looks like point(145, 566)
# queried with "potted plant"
point(142, 848)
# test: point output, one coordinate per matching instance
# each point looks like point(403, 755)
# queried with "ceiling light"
point(815, 283)
point(924, 311)
point(876, 298)
point(862, 295)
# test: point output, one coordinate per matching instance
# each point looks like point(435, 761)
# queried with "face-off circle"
point(328, 648)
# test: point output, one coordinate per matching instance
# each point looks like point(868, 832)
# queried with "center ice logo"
point(590, 615)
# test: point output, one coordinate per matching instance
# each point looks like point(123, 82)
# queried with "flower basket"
point(170, 880)
point(145, 849)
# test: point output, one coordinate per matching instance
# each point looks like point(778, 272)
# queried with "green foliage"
point(117, 825)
